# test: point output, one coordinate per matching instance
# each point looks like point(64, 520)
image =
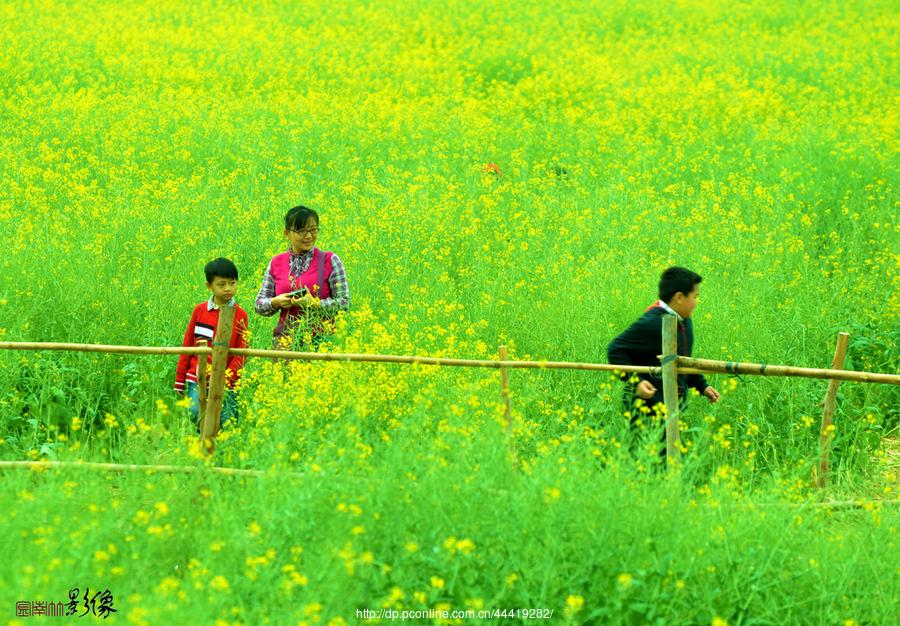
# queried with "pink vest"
point(315, 278)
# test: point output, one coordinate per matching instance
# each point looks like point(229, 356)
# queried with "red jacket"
point(203, 326)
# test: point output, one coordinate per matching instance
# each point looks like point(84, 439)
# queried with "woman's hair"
point(298, 216)
point(675, 280)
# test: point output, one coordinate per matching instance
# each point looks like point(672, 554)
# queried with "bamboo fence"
point(672, 365)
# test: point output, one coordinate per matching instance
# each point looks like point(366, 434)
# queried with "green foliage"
point(490, 174)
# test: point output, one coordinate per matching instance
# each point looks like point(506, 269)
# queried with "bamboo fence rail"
point(764, 369)
point(687, 365)
point(38, 466)
point(109, 349)
point(122, 468)
point(334, 356)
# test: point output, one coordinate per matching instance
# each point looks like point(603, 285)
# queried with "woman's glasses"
point(305, 231)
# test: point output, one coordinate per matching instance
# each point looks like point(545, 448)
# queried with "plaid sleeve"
point(337, 283)
point(263, 304)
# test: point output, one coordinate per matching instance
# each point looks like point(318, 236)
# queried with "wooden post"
point(670, 385)
point(826, 435)
point(507, 408)
point(201, 379)
point(209, 426)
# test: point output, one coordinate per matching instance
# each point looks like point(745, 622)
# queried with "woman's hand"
point(284, 301)
point(308, 300)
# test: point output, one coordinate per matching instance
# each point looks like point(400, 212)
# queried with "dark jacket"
point(641, 344)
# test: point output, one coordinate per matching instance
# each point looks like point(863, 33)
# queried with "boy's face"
point(223, 289)
point(683, 304)
point(302, 239)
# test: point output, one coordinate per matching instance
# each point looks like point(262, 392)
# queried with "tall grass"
point(751, 143)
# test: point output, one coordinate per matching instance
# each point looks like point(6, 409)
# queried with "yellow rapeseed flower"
point(466, 546)
point(220, 583)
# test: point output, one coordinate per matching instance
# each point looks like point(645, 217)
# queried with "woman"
point(308, 286)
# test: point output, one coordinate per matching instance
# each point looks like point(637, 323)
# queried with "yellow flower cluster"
point(491, 174)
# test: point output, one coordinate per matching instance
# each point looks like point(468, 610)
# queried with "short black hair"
point(677, 279)
point(298, 216)
point(222, 268)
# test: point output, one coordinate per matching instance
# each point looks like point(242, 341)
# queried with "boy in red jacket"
point(221, 280)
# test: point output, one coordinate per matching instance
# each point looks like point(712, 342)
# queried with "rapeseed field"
point(490, 174)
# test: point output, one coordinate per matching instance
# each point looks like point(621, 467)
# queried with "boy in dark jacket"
point(641, 343)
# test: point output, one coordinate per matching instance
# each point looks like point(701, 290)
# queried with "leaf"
point(57, 415)
point(49, 450)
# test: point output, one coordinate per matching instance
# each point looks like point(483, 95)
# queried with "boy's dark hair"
point(298, 216)
point(677, 279)
point(222, 268)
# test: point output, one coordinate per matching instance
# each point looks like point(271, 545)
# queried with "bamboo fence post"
point(507, 408)
point(670, 385)
point(201, 379)
point(826, 434)
point(209, 427)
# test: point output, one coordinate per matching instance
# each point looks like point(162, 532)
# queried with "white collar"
point(669, 309)
point(212, 306)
